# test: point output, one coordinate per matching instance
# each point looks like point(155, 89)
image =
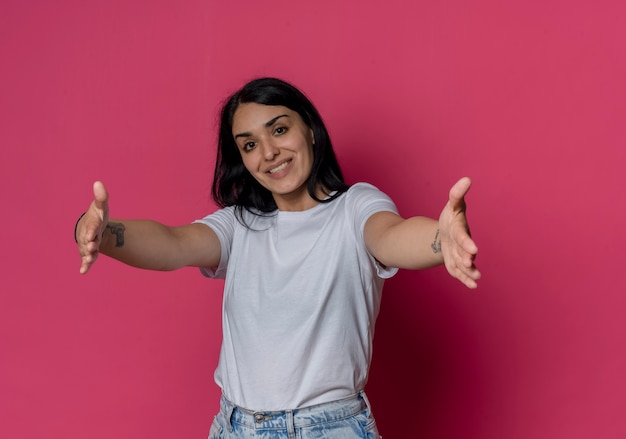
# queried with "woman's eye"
point(248, 146)
point(280, 130)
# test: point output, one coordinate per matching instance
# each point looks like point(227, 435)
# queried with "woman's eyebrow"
point(268, 124)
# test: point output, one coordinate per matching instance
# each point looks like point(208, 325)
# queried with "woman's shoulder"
point(364, 195)
point(364, 188)
point(233, 218)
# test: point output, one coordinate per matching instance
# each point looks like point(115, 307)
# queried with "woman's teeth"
point(278, 168)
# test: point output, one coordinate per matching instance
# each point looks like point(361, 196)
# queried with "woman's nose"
point(269, 150)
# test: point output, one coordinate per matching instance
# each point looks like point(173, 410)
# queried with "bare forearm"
point(143, 244)
point(411, 243)
point(416, 242)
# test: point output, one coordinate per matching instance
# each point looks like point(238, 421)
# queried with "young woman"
point(304, 257)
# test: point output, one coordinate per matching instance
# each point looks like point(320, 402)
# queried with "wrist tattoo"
point(436, 245)
point(117, 229)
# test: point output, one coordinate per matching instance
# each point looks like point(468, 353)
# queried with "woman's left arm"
point(420, 242)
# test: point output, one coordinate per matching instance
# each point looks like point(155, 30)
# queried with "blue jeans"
point(349, 418)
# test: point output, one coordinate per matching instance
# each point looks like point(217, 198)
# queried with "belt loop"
point(291, 428)
point(367, 402)
point(230, 409)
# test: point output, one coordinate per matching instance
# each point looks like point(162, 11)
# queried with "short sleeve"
point(223, 224)
point(364, 200)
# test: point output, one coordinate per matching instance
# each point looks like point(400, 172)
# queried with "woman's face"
point(276, 147)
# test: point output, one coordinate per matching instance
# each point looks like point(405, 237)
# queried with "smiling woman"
point(258, 108)
point(277, 150)
point(304, 257)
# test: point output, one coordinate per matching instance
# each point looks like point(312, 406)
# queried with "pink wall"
point(526, 97)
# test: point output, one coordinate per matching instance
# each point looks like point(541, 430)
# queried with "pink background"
point(526, 97)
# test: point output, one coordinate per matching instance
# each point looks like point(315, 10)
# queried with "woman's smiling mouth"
point(279, 167)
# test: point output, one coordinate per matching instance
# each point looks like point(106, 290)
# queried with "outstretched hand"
point(91, 226)
point(457, 247)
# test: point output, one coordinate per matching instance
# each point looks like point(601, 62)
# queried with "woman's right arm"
point(142, 243)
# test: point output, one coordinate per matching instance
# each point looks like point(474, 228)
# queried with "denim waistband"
point(298, 418)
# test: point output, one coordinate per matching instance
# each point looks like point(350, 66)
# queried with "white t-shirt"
point(301, 297)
